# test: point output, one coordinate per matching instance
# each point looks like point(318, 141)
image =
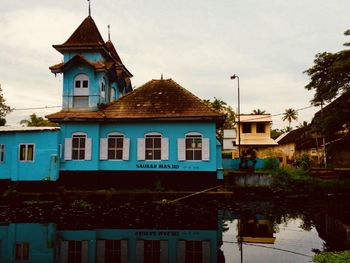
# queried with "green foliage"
point(221, 106)
point(304, 162)
point(35, 121)
point(290, 115)
point(258, 112)
point(80, 204)
point(329, 76)
point(271, 164)
point(332, 257)
point(4, 109)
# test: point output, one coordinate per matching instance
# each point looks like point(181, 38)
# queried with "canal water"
point(200, 230)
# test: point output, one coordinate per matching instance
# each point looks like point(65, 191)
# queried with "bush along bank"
point(297, 181)
point(332, 257)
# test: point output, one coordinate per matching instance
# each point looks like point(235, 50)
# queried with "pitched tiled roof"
point(86, 35)
point(293, 136)
point(76, 115)
point(98, 65)
point(155, 100)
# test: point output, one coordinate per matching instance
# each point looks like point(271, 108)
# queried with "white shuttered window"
point(78, 147)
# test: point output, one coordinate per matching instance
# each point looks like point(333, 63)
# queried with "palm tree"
point(35, 121)
point(290, 115)
point(258, 112)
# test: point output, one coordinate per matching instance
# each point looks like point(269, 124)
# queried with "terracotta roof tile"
point(86, 34)
point(76, 115)
point(157, 99)
point(160, 99)
point(98, 65)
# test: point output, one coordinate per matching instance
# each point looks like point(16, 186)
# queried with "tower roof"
point(86, 35)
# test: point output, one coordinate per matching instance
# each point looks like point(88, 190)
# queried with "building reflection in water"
point(39, 243)
point(255, 230)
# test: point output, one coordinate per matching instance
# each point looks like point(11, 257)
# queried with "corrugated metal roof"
point(27, 129)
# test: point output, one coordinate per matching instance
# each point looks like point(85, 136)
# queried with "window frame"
point(113, 250)
point(152, 253)
point(84, 84)
point(26, 152)
point(115, 135)
point(79, 135)
point(2, 153)
point(260, 127)
point(74, 254)
point(151, 137)
point(19, 251)
point(245, 126)
point(194, 251)
point(192, 136)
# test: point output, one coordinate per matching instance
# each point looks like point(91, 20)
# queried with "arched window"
point(81, 85)
point(81, 91)
point(114, 147)
point(193, 147)
point(78, 147)
point(153, 147)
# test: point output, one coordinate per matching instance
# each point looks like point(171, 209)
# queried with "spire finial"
point(89, 8)
point(161, 77)
point(109, 32)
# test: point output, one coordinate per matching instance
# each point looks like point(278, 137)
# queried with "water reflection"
point(174, 234)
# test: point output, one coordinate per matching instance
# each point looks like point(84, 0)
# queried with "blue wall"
point(133, 131)
point(41, 239)
point(46, 155)
point(233, 164)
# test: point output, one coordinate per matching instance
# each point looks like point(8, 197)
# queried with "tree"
point(4, 109)
point(290, 115)
point(330, 75)
point(35, 121)
point(221, 106)
point(258, 112)
point(303, 124)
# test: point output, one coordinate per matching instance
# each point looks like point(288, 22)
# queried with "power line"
point(37, 108)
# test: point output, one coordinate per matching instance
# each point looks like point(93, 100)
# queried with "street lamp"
point(234, 76)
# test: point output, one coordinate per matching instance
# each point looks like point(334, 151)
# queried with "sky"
point(197, 43)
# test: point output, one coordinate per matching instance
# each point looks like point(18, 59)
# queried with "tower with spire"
point(93, 73)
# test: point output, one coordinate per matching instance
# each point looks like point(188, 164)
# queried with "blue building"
point(109, 131)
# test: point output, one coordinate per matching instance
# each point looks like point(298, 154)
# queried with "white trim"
point(100, 250)
point(126, 149)
point(84, 251)
point(68, 149)
point(79, 133)
point(124, 250)
point(164, 251)
point(141, 149)
point(81, 91)
point(164, 150)
point(88, 149)
point(103, 148)
point(139, 250)
point(193, 134)
point(181, 149)
point(115, 134)
point(205, 149)
point(152, 133)
point(206, 252)
point(26, 152)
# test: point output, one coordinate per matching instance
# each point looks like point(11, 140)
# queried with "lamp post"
point(234, 76)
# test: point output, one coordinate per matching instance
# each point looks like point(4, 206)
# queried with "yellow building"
point(254, 133)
